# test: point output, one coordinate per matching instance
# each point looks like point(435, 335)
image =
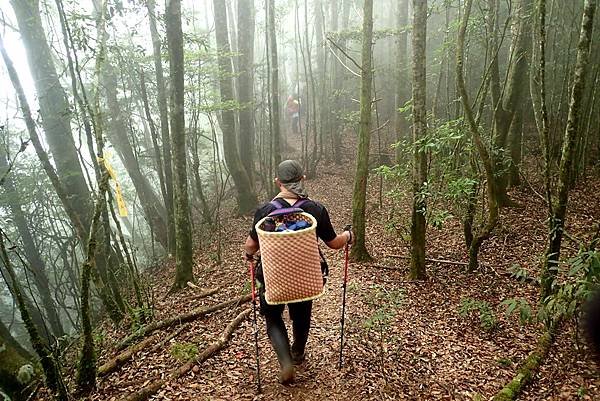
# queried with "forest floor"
point(421, 349)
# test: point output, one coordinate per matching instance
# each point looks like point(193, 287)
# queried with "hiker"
point(293, 111)
point(289, 179)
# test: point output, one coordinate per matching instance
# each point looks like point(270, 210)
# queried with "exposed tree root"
point(182, 318)
point(149, 390)
point(527, 369)
point(112, 364)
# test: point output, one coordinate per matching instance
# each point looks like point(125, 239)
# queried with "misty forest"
point(460, 139)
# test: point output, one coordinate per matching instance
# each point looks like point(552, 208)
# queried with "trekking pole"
point(252, 284)
point(347, 228)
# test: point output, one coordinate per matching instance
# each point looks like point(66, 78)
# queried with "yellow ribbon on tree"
point(113, 175)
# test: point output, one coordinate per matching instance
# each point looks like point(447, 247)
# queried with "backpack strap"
point(281, 209)
point(278, 205)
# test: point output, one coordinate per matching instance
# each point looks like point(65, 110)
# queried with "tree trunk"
point(32, 254)
point(54, 109)
point(573, 131)
point(402, 81)
point(276, 123)
point(512, 100)
point(486, 159)
point(151, 205)
point(183, 231)
point(359, 197)
point(246, 198)
point(418, 225)
point(245, 12)
point(13, 358)
point(164, 124)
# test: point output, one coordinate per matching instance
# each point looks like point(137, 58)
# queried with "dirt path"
point(419, 349)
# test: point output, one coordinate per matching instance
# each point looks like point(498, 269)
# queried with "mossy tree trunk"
point(183, 229)
point(359, 198)
point(418, 225)
point(87, 369)
point(572, 133)
point(13, 358)
point(164, 124)
point(50, 366)
point(246, 197)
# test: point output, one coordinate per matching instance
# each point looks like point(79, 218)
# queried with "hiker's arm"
point(251, 246)
point(340, 240)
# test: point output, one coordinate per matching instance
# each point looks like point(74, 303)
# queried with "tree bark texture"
point(183, 229)
point(573, 131)
point(359, 198)
point(246, 198)
point(418, 224)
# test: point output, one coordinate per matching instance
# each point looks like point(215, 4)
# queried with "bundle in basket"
point(291, 262)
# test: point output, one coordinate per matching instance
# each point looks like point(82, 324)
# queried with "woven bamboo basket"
point(291, 263)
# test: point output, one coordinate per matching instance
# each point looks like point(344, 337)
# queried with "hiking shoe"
point(298, 359)
point(287, 374)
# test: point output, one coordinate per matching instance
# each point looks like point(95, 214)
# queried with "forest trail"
point(419, 348)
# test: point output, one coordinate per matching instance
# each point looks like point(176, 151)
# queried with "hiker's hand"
point(350, 236)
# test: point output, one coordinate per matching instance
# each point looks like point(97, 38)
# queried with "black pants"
point(300, 314)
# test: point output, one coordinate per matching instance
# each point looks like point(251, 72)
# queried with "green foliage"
point(183, 351)
point(139, 317)
point(520, 306)
point(582, 278)
point(505, 362)
point(521, 274)
point(385, 303)
point(439, 217)
point(487, 319)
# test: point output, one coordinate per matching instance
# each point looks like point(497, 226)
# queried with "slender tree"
point(572, 133)
point(183, 230)
point(164, 124)
point(418, 225)
point(49, 364)
point(32, 253)
point(276, 119)
point(245, 80)
point(246, 197)
point(359, 197)
point(151, 205)
point(402, 87)
point(483, 152)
